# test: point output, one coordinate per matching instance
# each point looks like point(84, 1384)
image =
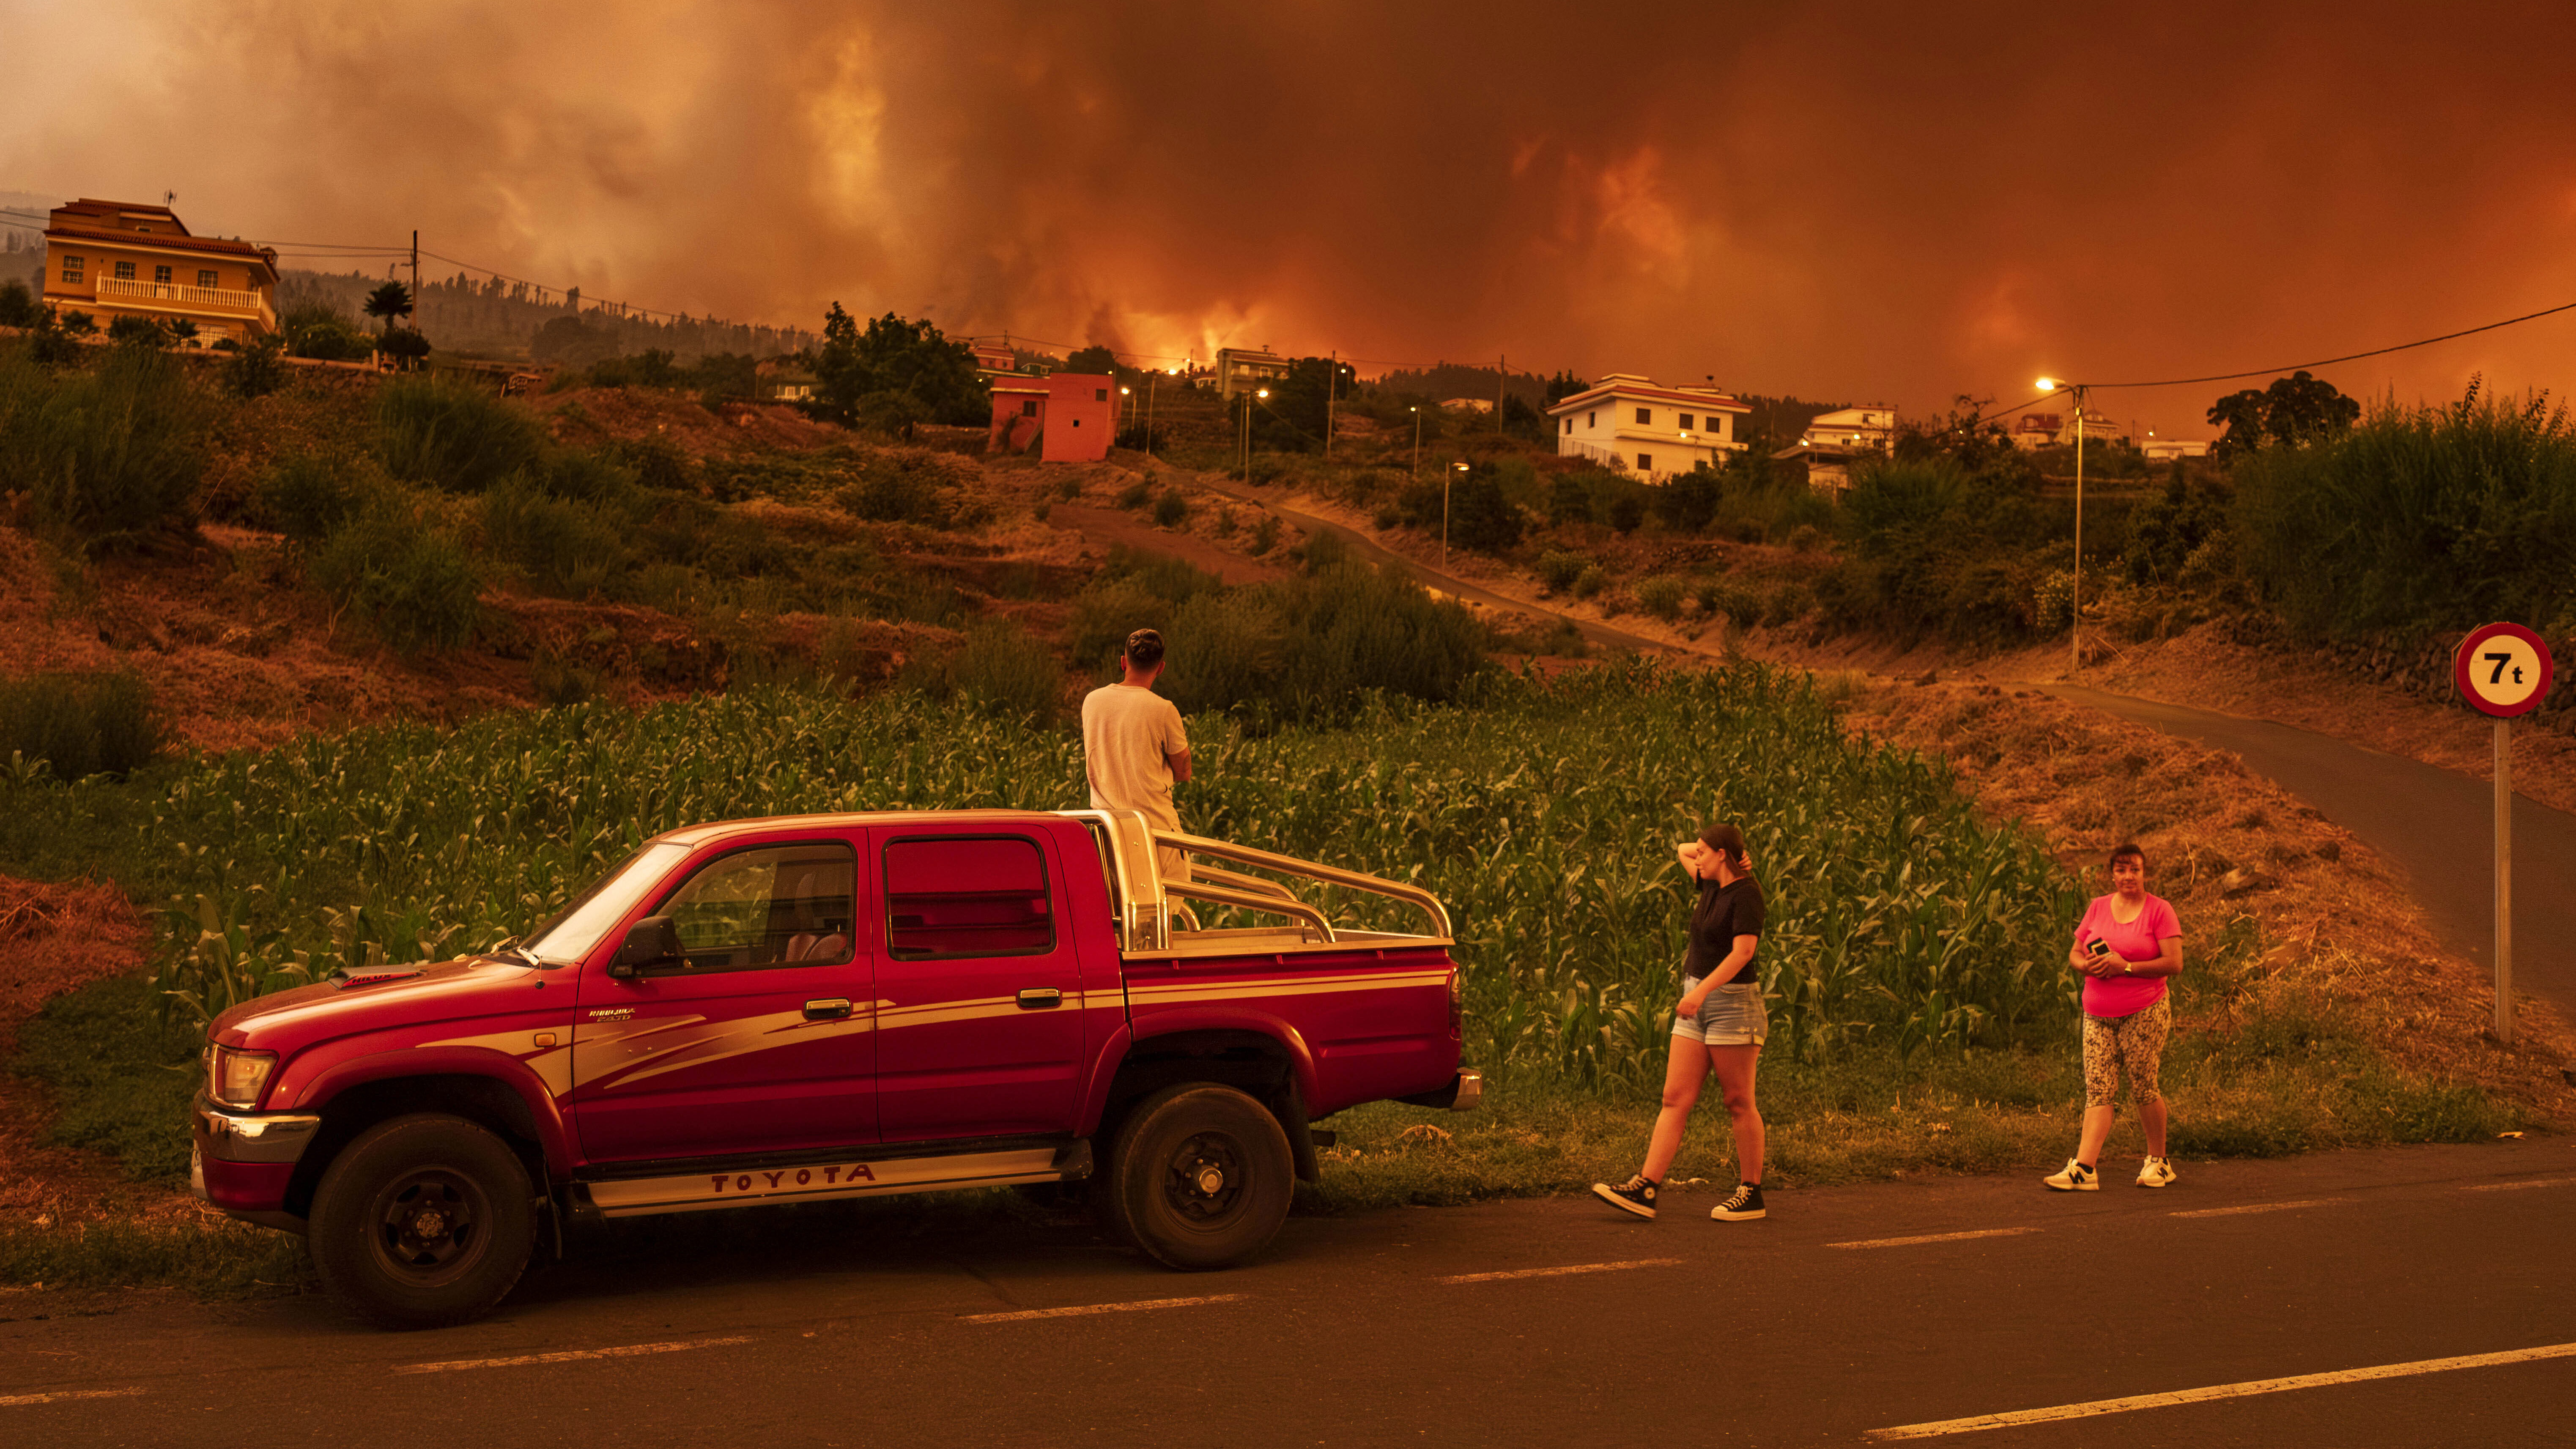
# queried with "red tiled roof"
point(1594, 397)
point(158, 239)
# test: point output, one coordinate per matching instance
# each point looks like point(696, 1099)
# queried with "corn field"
point(1543, 812)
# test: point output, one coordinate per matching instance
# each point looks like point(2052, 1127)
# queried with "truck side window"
point(966, 895)
point(772, 905)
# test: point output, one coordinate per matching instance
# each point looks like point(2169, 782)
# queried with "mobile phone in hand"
point(2097, 948)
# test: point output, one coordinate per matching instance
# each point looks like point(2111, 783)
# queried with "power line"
point(2347, 357)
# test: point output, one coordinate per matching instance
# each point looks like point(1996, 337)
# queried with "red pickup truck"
point(831, 1006)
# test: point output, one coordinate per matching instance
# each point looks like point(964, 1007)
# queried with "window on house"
point(1029, 408)
point(161, 275)
point(1569, 425)
point(1100, 394)
point(1077, 422)
point(125, 271)
point(1592, 420)
point(206, 279)
point(1645, 417)
point(1686, 422)
point(72, 270)
point(1645, 462)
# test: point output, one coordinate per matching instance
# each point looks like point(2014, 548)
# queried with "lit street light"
point(1445, 479)
point(2075, 591)
point(1417, 442)
point(1255, 395)
point(1126, 408)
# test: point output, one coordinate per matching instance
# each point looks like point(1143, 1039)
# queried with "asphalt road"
point(1849, 1310)
point(2434, 825)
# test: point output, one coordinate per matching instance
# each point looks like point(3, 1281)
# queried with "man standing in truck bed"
point(1133, 746)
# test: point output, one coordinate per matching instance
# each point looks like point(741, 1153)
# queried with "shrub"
point(318, 330)
point(138, 332)
point(656, 463)
point(18, 305)
point(1135, 494)
point(256, 370)
point(1265, 534)
point(901, 488)
point(413, 583)
point(1478, 515)
point(1224, 524)
point(79, 724)
point(568, 548)
point(1661, 596)
point(1558, 569)
point(405, 344)
point(1627, 510)
point(309, 496)
point(1171, 509)
point(1590, 581)
point(109, 457)
point(446, 431)
point(1569, 499)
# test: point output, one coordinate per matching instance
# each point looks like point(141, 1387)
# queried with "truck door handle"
point(1039, 998)
point(827, 1010)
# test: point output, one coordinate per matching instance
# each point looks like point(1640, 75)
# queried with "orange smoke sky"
point(1864, 202)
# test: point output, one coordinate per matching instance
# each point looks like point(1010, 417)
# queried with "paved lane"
point(1511, 1323)
point(2436, 826)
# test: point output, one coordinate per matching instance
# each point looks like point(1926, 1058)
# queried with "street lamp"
point(1417, 442)
point(2075, 590)
point(1256, 394)
point(1126, 408)
point(1445, 480)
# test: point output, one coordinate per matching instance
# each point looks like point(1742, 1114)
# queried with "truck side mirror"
point(649, 942)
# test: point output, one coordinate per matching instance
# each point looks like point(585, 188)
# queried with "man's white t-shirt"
point(1127, 734)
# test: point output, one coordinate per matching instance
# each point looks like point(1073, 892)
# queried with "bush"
point(453, 433)
point(1135, 494)
point(1661, 596)
point(404, 344)
point(18, 305)
point(656, 463)
point(1590, 582)
point(1558, 569)
point(138, 332)
point(1171, 509)
point(109, 458)
point(1478, 517)
point(318, 330)
point(309, 496)
point(568, 548)
point(2427, 520)
point(256, 370)
point(901, 488)
point(413, 583)
point(1265, 534)
point(79, 724)
point(1569, 499)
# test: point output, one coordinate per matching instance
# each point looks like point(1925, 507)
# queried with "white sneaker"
point(2156, 1172)
point(2074, 1177)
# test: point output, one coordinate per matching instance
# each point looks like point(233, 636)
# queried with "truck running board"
point(829, 1178)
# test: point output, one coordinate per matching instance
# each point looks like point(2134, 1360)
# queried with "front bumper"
point(242, 1161)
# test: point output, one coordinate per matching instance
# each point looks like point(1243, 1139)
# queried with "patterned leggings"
point(2132, 1044)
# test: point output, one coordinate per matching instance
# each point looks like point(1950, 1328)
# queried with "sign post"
point(2503, 670)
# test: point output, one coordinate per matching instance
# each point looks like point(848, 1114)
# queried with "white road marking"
point(2221, 1391)
point(2260, 1207)
point(2510, 1186)
point(12, 1400)
point(1561, 1272)
point(1080, 1310)
point(568, 1355)
point(1933, 1238)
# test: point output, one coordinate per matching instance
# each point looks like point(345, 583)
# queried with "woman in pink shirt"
point(2129, 945)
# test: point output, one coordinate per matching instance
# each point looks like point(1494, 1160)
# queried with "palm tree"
point(387, 302)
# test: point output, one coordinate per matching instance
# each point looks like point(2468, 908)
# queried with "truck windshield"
point(576, 929)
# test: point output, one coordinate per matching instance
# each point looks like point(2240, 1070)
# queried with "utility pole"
point(1502, 371)
point(1332, 379)
point(1150, 379)
point(2075, 589)
point(415, 276)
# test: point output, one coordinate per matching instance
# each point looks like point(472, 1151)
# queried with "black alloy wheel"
point(1200, 1178)
point(423, 1221)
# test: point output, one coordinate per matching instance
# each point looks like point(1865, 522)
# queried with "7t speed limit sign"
point(2502, 670)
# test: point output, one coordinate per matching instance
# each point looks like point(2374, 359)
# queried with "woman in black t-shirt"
point(1719, 1026)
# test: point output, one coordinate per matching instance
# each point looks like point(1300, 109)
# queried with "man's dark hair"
point(1144, 648)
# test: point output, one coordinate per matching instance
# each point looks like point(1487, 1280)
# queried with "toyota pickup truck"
point(833, 1006)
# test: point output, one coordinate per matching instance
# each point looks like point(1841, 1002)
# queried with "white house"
point(1871, 429)
point(1630, 422)
point(2160, 450)
point(2033, 431)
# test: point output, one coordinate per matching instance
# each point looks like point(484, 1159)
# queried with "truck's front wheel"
point(422, 1222)
point(1200, 1178)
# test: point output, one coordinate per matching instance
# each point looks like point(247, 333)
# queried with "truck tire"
point(1200, 1178)
point(423, 1221)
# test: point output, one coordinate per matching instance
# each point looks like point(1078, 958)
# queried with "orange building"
point(115, 259)
point(1071, 416)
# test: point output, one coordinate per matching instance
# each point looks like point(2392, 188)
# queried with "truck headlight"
point(236, 1078)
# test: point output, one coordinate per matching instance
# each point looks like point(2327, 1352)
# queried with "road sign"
point(2502, 670)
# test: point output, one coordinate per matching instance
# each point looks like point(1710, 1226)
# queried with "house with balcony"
point(115, 259)
point(1241, 369)
point(1869, 429)
point(1637, 425)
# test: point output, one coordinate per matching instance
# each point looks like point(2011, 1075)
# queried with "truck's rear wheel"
point(1201, 1177)
point(422, 1222)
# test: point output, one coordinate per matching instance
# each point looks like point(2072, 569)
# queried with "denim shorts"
point(1730, 1015)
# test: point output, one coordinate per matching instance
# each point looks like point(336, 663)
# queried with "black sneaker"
point(1741, 1205)
point(1636, 1195)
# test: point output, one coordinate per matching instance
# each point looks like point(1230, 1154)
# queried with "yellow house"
point(115, 259)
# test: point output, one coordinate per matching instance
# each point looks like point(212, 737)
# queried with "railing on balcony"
point(186, 299)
